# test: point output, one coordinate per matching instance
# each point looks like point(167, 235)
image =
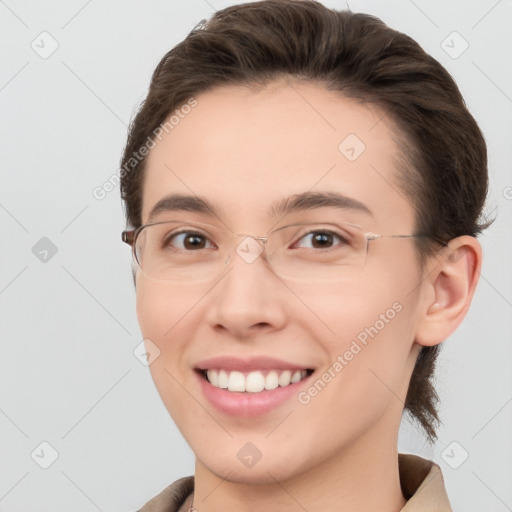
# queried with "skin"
point(242, 149)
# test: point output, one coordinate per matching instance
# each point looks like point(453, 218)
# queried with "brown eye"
point(188, 241)
point(321, 240)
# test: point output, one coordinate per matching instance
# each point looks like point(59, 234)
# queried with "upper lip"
point(231, 363)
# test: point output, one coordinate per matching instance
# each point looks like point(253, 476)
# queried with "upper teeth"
point(253, 382)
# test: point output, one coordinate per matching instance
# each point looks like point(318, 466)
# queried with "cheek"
point(161, 307)
point(368, 325)
point(351, 308)
point(365, 373)
point(163, 316)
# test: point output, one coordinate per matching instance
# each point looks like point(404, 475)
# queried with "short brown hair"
point(361, 57)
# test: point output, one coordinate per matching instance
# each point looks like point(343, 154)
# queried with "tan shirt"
point(421, 481)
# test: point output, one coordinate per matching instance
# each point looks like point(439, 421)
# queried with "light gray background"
point(68, 325)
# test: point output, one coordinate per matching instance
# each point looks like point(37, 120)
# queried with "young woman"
point(303, 188)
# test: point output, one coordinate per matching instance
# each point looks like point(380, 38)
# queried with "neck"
point(356, 480)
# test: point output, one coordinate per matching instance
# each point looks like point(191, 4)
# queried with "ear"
point(450, 284)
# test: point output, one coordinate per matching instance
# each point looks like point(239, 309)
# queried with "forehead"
point(244, 149)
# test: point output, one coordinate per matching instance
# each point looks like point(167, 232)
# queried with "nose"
point(249, 299)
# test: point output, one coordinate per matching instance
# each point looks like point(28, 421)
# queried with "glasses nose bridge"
point(263, 239)
point(248, 247)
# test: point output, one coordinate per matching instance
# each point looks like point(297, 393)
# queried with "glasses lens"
point(320, 252)
point(181, 251)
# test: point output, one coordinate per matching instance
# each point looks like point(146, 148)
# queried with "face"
point(243, 150)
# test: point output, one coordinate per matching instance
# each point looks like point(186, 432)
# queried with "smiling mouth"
point(254, 381)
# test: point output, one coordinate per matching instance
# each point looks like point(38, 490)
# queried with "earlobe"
point(451, 282)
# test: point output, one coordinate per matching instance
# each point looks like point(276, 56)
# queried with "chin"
point(259, 474)
point(265, 468)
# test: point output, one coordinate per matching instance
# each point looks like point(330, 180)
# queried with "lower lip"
point(248, 404)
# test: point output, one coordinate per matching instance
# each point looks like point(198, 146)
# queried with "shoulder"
point(422, 485)
point(172, 497)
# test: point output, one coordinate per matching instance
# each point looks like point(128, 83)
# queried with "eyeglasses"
point(190, 251)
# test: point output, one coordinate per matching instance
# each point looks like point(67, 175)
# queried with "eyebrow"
point(298, 202)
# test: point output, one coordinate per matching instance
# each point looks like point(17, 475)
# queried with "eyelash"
point(325, 232)
point(342, 240)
